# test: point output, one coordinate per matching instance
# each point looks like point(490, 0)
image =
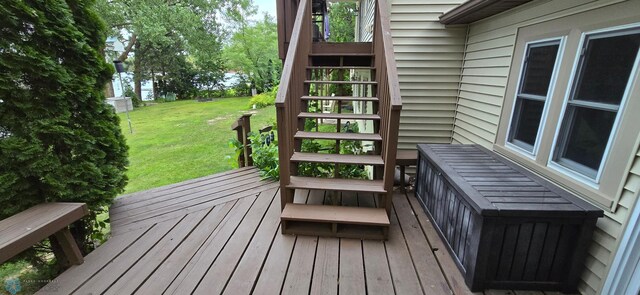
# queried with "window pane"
point(526, 127)
point(587, 133)
point(538, 69)
point(536, 75)
point(606, 68)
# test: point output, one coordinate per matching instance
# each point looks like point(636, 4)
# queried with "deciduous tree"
point(342, 21)
point(253, 49)
point(168, 27)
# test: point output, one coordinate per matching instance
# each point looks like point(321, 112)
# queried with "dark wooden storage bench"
point(506, 227)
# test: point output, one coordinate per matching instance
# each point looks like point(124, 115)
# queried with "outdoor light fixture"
point(119, 66)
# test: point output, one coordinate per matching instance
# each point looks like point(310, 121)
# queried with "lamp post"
point(120, 69)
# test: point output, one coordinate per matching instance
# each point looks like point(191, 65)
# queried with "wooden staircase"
point(310, 70)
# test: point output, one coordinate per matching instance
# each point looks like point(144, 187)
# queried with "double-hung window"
point(600, 85)
point(536, 80)
point(571, 111)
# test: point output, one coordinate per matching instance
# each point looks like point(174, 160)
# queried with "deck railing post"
point(246, 129)
point(243, 127)
point(241, 156)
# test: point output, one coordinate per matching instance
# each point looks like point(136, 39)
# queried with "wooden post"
point(246, 128)
point(241, 162)
point(243, 128)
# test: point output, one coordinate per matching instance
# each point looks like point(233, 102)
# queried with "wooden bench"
point(23, 230)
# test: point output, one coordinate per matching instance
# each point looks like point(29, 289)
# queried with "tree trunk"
point(125, 54)
point(137, 78)
point(153, 85)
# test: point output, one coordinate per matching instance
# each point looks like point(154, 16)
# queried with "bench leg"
point(69, 246)
point(403, 186)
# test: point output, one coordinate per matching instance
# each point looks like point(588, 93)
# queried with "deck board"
point(246, 272)
point(445, 262)
point(325, 270)
point(191, 276)
point(116, 268)
point(244, 187)
point(221, 234)
point(77, 275)
point(169, 270)
point(152, 259)
point(298, 278)
point(403, 273)
point(233, 250)
point(162, 202)
point(431, 278)
point(376, 267)
point(135, 200)
point(351, 275)
point(275, 267)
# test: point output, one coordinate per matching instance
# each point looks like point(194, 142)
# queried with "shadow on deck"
point(220, 234)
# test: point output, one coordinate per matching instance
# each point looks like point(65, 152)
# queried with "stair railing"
point(288, 103)
point(388, 92)
point(242, 127)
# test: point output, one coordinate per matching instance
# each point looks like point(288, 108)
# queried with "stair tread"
point(339, 116)
point(340, 82)
point(340, 67)
point(336, 184)
point(337, 158)
point(335, 214)
point(340, 54)
point(338, 135)
point(341, 98)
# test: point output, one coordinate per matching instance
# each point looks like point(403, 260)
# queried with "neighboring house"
point(115, 48)
point(534, 81)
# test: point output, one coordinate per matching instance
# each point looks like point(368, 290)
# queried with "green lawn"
point(177, 141)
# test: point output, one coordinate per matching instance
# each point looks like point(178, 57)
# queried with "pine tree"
point(59, 141)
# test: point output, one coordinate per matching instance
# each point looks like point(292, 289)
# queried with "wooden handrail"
point(389, 55)
point(388, 92)
point(288, 103)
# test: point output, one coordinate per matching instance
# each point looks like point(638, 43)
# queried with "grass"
point(177, 141)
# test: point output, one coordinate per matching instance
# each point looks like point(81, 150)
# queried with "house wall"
point(364, 33)
point(429, 59)
point(486, 65)
point(365, 21)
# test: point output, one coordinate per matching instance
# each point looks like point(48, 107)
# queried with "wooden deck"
point(220, 234)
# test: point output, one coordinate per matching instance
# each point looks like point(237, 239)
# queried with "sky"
point(268, 6)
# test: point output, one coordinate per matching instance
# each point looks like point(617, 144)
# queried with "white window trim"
point(623, 268)
point(594, 183)
point(552, 84)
